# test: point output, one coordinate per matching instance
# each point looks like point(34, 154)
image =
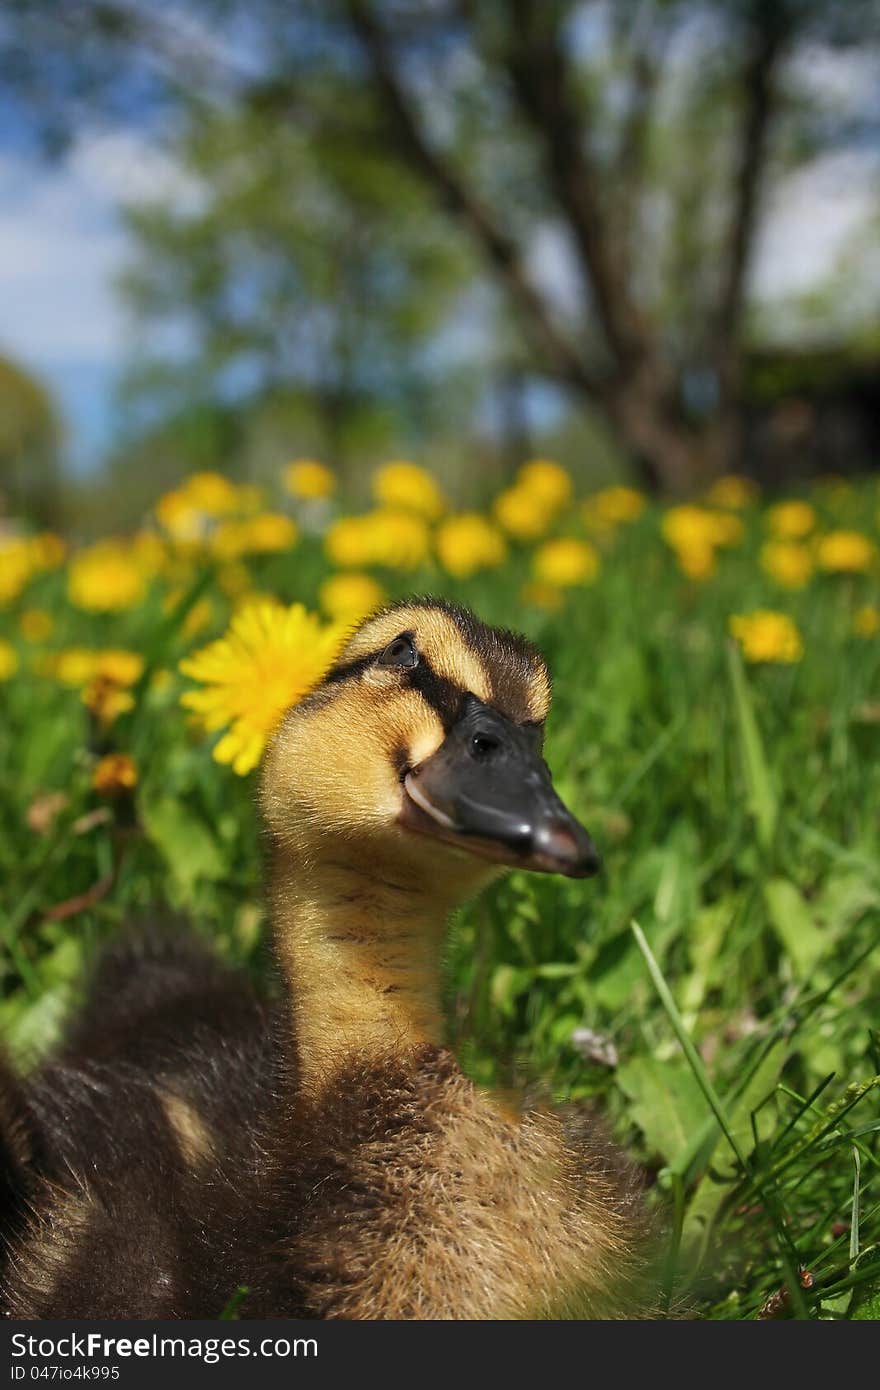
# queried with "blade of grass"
point(854, 1223)
point(762, 799)
point(802, 1107)
point(657, 749)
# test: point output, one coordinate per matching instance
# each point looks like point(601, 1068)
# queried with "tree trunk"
point(671, 454)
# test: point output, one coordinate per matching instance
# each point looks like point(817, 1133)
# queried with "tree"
point(639, 335)
point(307, 277)
point(29, 438)
point(641, 134)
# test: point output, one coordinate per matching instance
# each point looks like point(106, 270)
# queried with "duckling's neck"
point(361, 954)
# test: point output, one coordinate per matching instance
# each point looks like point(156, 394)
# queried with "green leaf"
point(794, 924)
point(705, 940)
point(616, 971)
point(869, 1309)
point(667, 1103)
point(185, 842)
point(507, 985)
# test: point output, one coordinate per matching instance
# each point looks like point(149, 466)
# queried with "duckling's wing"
point(150, 1116)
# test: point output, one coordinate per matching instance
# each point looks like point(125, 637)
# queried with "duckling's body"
point(325, 1151)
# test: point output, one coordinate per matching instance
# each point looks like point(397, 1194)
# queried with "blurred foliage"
point(30, 435)
point(385, 219)
point(311, 272)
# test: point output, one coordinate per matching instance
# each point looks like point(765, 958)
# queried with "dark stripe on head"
point(344, 670)
point(444, 696)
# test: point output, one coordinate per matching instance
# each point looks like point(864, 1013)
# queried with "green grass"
point(738, 809)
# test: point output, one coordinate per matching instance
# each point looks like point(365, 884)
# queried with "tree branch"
point(540, 76)
point(562, 356)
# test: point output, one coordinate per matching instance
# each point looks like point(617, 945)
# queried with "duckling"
point(321, 1151)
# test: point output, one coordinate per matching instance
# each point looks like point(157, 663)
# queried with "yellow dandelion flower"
point(547, 482)
point(791, 521)
point(269, 658)
point(178, 516)
point(265, 534)
point(866, 620)
point(114, 774)
point(350, 597)
point(104, 578)
point(118, 665)
point(767, 636)
point(106, 700)
point(406, 487)
point(271, 532)
point(16, 567)
point(308, 479)
point(690, 525)
point(613, 506)
point(36, 624)
point(686, 525)
point(8, 660)
point(788, 562)
point(469, 542)
point(77, 666)
point(347, 543)
point(396, 540)
point(846, 552)
point(400, 540)
point(74, 666)
point(211, 493)
point(521, 514)
point(733, 492)
point(696, 560)
point(565, 562)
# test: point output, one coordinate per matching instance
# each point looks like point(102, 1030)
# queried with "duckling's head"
point(419, 758)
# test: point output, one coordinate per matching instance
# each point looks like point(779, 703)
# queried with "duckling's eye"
point(401, 652)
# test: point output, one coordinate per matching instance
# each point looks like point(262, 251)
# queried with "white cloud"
point(813, 219)
point(62, 244)
point(59, 249)
point(120, 167)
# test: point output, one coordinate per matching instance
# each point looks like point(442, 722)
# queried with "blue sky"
point(62, 245)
